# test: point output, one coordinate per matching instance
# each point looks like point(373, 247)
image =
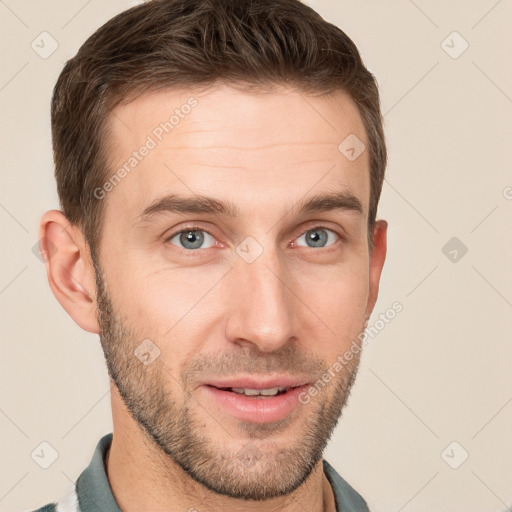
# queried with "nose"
point(261, 304)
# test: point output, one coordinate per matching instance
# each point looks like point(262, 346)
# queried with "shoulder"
point(68, 503)
point(347, 498)
point(51, 507)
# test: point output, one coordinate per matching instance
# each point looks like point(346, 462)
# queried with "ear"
point(69, 268)
point(377, 257)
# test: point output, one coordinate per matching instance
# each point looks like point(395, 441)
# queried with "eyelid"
point(192, 227)
point(302, 231)
point(318, 226)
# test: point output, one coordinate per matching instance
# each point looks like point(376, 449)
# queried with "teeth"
point(256, 392)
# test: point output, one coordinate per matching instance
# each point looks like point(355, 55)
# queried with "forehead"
point(264, 146)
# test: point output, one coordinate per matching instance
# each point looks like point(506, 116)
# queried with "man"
point(219, 165)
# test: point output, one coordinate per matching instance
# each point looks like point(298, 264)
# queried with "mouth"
point(259, 393)
point(256, 402)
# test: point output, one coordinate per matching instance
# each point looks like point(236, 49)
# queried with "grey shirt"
point(92, 491)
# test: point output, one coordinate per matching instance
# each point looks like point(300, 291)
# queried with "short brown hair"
point(173, 43)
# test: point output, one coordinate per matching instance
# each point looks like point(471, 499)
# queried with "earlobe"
point(69, 268)
point(377, 258)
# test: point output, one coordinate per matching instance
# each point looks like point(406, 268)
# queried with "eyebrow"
point(173, 203)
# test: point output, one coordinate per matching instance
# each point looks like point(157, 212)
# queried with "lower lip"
point(257, 409)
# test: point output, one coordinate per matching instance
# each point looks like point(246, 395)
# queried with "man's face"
point(262, 292)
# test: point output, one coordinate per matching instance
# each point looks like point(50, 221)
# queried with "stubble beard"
point(256, 469)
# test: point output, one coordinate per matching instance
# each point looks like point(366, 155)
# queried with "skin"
point(293, 310)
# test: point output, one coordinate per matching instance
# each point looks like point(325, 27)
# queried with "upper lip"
point(252, 382)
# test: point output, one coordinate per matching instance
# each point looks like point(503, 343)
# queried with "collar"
point(94, 492)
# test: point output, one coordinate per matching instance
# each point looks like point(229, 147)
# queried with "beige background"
point(438, 372)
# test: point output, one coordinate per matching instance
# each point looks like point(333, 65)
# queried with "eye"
point(192, 239)
point(317, 237)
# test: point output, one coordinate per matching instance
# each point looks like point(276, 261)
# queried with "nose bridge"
point(261, 307)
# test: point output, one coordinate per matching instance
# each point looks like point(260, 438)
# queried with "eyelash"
point(198, 228)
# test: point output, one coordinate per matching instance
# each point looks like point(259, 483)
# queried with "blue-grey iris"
point(316, 237)
point(192, 239)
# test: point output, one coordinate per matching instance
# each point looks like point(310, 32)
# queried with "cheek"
point(172, 307)
point(338, 297)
